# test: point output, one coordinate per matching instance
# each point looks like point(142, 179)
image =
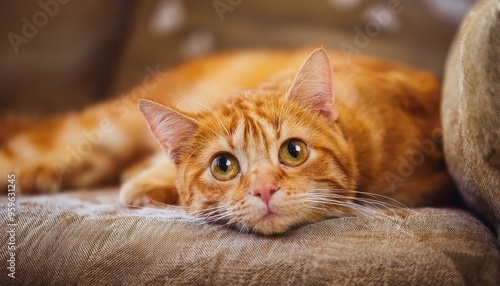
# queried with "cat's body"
point(300, 156)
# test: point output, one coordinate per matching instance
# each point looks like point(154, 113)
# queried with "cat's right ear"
point(171, 129)
point(312, 86)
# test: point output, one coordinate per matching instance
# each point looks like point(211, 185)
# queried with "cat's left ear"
point(171, 128)
point(312, 85)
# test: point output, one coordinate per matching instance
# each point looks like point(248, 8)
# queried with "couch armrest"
point(471, 111)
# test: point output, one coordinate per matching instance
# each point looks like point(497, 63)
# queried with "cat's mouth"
point(270, 215)
point(273, 215)
point(270, 221)
point(269, 225)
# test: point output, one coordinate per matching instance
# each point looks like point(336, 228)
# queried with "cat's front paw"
point(131, 195)
point(150, 183)
point(141, 191)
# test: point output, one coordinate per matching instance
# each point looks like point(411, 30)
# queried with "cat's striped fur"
point(372, 137)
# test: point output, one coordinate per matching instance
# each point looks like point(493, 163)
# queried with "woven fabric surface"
point(471, 111)
point(86, 238)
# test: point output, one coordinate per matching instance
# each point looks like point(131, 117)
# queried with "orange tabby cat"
point(283, 147)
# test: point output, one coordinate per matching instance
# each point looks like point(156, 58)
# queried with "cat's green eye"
point(293, 152)
point(224, 167)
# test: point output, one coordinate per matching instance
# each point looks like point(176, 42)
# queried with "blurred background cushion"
point(58, 55)
point(471, 111)
point(168, 31)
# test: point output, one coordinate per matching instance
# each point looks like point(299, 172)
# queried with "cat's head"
point(264, 161)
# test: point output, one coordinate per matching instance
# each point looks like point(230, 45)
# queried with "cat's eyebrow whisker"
point(195, 103)
point(212, 110)
point(219, 121)
point(191, 102)
point(212, 129)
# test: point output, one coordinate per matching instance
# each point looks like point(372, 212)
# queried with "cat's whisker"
point(195, 103)
point(217, 216)
point(390, 202)
point(176, 208)
point(212, 110)
point(207, 211)
point(330, 212)
point(366, 210)
point(213, 126)
point(186, 100)
point(385, 205)
point(346, 205)
point(212, 129)
point(198, 216)
point(359, 209)
point(375, 203)
point(214, 215)
point(314, 209)
point(164, 205)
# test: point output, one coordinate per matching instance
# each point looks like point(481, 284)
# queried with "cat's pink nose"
point(265, 192)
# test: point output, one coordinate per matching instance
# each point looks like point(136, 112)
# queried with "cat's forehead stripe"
point(250, 132)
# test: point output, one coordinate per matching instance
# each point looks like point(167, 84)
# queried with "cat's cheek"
point(250, 212)
point(258, 208)
point(277, 204)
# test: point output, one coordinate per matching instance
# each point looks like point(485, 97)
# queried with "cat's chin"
point(271, 224)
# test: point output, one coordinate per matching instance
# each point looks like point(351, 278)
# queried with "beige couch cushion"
point(85, 238)
point(471, 110)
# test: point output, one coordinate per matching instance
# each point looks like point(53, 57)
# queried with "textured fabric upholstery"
point(471, 111)
point(87, 239)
